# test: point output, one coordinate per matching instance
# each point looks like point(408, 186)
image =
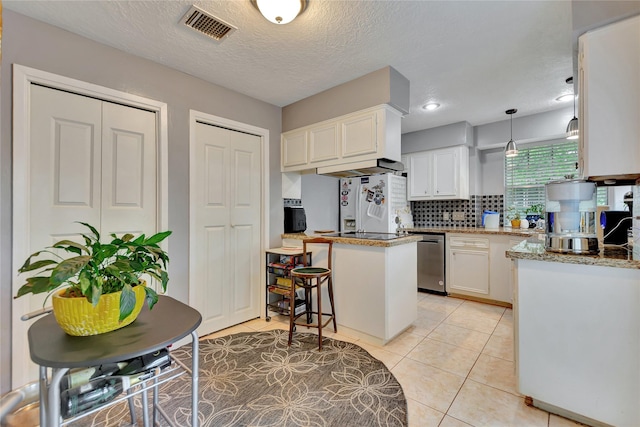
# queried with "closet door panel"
point(129, 170)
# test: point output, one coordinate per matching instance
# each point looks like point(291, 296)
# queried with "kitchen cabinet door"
point(294, 150)
point(468, 265)
point(420, 176)
point(324, 143)
point(359, 134)
point(445, 173)
point(609, 100)
point(469, 271)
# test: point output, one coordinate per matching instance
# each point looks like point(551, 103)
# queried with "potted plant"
point(534, 212)
point(98, 280)
point(514, 216)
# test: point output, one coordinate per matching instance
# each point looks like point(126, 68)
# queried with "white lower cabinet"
point(477, 266)
point(468, 260)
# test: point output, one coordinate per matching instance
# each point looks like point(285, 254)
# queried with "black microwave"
point(295, 220)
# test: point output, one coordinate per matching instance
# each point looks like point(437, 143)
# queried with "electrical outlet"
point(458, 216)
point(445, 216)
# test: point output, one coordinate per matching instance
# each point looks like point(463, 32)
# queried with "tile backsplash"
point(430, 213)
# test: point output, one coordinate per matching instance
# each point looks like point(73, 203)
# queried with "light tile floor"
point(455, 365)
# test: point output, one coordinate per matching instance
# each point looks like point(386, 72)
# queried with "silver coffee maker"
point(571, 217)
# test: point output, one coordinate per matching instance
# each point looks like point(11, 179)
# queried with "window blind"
point(527, 173)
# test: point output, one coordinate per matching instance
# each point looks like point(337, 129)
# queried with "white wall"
point(460, 133)
point(320, 199)
point(491, 166)
point(34, 44)
point(531, 128)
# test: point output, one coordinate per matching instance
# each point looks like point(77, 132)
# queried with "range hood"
point(361, 168)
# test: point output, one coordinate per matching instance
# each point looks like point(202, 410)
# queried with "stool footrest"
point(313, 325)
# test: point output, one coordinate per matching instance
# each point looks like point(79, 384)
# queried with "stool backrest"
point(315, 240)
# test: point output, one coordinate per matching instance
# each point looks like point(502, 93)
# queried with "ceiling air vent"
point(207, 24)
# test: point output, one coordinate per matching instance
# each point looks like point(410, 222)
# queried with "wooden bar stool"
point(309, 278)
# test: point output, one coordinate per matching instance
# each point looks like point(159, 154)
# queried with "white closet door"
point(129, 171)
point(245, 227)
point(225, 257)
point(64, 164)
point(89, 161)
point(64, 187)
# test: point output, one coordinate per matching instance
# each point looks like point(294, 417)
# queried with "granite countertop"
point(506, 231)
point(608, 257)
point(354, 241)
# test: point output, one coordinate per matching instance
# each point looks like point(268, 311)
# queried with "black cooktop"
point(364, 235)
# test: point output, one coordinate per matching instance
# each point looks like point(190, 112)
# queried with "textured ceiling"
point(476, 58)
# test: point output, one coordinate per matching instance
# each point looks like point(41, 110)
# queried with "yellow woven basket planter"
point(78, 317)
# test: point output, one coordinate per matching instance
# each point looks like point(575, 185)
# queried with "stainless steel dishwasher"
point(431, 259)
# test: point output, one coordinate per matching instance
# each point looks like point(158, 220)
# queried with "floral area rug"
point(254, 379)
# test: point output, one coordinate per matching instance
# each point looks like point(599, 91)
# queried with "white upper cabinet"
point(609, 88)
point(420, 179)
point(364, 135)
point(359, 134)
point(294, 148)
point(439, 174)
point(324, 143)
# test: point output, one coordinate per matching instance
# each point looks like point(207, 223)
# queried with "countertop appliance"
point(571, 217)
point(372, 203)
point(431, 264)
point(295, 219)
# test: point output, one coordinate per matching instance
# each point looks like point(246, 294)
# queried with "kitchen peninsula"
point(577, 327)
point(374, 284)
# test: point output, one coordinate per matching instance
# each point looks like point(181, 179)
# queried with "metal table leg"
point(194, 379)
point(53, 400)
point(42, 390)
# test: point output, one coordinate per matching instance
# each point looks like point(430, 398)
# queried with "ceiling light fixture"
point(431, 106)
point(511, 149)
point(572, 126)
point(280, 11)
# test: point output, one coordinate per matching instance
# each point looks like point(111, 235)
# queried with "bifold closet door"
point(226, 198)
point(88, 161)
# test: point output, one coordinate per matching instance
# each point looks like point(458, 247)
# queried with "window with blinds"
point(526, 174)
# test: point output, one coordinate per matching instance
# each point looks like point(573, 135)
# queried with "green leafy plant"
point(99, 268)
point(512, 213)
point(537, 209)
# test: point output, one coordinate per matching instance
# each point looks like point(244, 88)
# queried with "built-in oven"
point(431, 264)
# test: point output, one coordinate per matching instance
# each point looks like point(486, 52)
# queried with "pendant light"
point(511, 149)
point(572, 127)
point(280, 11)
